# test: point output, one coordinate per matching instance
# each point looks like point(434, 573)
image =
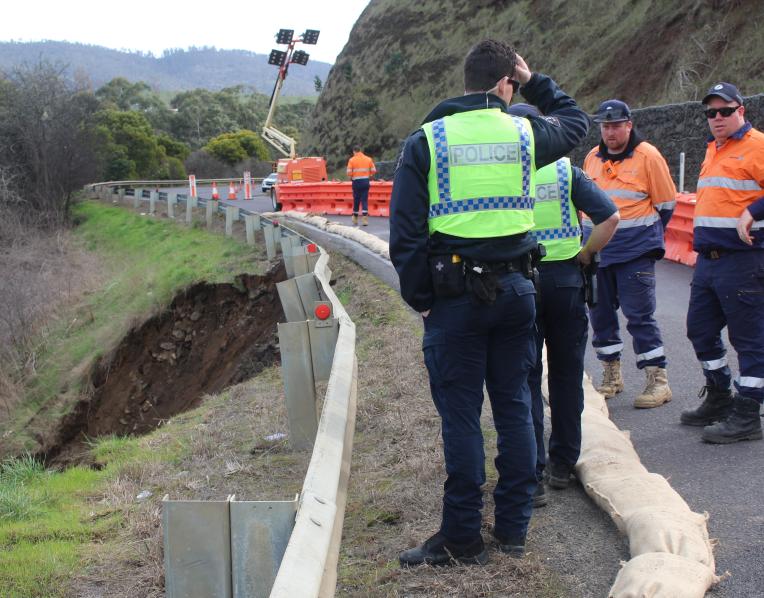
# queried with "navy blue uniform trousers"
point(630, 286)
point(729, 291)
point(562, 322)
point(466, 345)
point(360, 195)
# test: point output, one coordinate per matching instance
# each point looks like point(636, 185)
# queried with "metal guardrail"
point(309, 564)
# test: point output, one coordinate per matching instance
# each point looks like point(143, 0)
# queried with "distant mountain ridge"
point(175, 70)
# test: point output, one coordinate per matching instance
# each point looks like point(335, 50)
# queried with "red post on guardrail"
point(679, 231)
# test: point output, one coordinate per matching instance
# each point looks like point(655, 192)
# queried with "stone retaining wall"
point(676, 128)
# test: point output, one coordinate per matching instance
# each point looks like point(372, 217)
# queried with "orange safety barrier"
point(332, 197)
point(679, 231)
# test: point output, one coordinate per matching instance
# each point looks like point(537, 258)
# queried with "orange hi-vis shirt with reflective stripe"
point(642, 189)
point(731, 180)
point(360, 166)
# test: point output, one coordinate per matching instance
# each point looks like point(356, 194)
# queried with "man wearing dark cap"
point(728, 281)
point(562, 190)
point(636, 177)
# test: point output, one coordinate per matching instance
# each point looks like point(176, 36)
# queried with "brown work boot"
point(612, 380)
point(355, 219)
point(657, 390)
point(365, 220)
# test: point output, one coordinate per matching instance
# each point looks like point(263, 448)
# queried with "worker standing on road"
point(460, 212)
point(635, 175)
point(728, 281)
point(360, 170)
point(561, 319)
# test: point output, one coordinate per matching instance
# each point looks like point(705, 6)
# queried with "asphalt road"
point(727, 481)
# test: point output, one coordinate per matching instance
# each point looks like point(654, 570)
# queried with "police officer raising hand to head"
point(460, 214)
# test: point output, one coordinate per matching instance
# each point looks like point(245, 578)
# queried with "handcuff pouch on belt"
point(447, 274)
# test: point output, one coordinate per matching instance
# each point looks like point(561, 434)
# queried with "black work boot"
point(743, 423)
point(558, 474)
point(539, 498)
point(514, 547)
point(438, 551)
point(715, 407)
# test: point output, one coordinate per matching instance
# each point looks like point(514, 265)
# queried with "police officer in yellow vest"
point(561, 318)
point(461, 211)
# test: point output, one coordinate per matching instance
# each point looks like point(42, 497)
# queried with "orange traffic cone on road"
point(231, 191)
point(215, 194)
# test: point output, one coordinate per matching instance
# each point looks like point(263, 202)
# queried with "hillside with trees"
point(403, 56)
point(175, 70)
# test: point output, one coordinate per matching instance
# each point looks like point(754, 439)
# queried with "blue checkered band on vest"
point(442, 169)
point(566, 230)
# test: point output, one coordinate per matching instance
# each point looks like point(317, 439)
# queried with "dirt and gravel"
point(210, 337)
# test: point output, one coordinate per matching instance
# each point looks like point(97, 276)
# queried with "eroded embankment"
point(210, 336)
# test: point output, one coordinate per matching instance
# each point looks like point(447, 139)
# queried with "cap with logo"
point(612, 111)
point(725, 91)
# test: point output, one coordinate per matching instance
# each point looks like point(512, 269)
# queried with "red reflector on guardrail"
point(323, 312)
point(312, 248)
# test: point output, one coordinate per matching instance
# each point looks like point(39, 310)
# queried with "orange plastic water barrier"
point(332, 197)
point(679, 231)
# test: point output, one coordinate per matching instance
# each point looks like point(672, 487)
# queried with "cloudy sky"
point(153, 26)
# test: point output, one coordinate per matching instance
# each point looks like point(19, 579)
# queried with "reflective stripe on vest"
point(489, 155)
point(554, 205)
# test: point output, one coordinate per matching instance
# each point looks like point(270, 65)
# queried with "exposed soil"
point(210, 337)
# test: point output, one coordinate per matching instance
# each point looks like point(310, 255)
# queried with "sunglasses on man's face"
point(725, 112)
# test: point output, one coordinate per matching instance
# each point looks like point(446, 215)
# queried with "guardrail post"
point(153, 202)
point(286, 254)
point(121, 194)
point(190, 205)
point(299, 385)
point(172, 201)
point(270, 244)
point(212, 210)
point(251, 224)
point(230, 212)
point(260, 533)
point(197, 548)
point(137, 198)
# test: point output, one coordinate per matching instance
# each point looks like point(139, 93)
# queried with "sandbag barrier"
point(308, 567)
point(679, 232)
point(332, 197)
point(671, 553)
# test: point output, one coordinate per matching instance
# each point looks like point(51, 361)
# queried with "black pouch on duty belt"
point(447, 274)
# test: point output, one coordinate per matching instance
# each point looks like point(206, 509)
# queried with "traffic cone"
point(215, 194)
point(231, 191)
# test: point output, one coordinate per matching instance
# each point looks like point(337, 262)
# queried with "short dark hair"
point(356, 148)
point(486, 63)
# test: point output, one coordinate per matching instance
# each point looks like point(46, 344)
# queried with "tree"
point(235, 147)
point(47, 137)
point(317, 84)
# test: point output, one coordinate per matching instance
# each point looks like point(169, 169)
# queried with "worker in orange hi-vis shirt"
point(636, 177)
point(360, 170)
point(728, 281)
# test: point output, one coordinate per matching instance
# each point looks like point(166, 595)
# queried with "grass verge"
point(48, 518)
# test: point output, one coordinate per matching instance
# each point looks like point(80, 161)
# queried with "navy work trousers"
point(630, 286)
point(466, 345)
point(562, 322)
point(729, 291)
point(360, 195)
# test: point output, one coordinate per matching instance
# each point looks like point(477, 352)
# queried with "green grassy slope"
point(403, 56)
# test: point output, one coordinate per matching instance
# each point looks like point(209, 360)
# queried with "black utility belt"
point(452, 275)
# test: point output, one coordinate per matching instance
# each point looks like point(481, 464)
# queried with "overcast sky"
point(153, 26)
